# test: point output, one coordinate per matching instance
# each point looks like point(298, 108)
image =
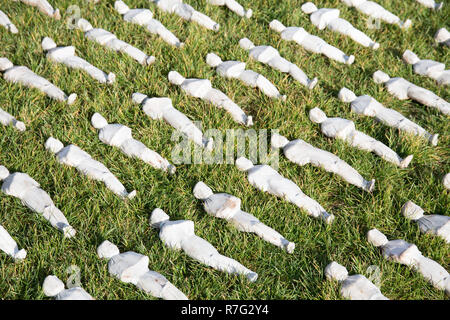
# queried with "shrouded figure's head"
point(5, 64)
point(380, 77)
point(52, 286)
point(246, 44)
point(276, 25)
point(335, 271)
point(84, 25)
point(213, 60)
point(98, 121)
point(346, 95)
point(377, 238)
point(138, 97)
point(175, 78)
point(309, 7)
point(121, 7)
point(157, 218)
point(202, 191)
point(53, 145)
point(48, 44)
point(442, 35)
point(4, 173)
point(244, 164)
point(412, 211)
point(107, 250)
point(278, 141)
point(410, 57)
point(317, 116)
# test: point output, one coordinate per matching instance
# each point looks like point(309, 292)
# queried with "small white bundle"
point(180, 235)
point(367, 106)
point(234, 6)
point(431, 4)
point(73, 156)
point(110, 41)
point(4, 21)
point(310, 43)
point(267, 179)
point(7, 119)
point(202, 88)
point(10, 247)
point(434, 70)
point(25, 188)
point(442, 36)
point(446, 181)
point(26, 77)
point(53, 287)
point(44, 7)
point(402, 89)
point(132, 267)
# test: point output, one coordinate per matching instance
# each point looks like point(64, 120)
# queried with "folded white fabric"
point(446, 181)
point(367, 106)
point(4, 21)
point(431, 4)
point(202, 88)
point(26, 77)
point(228, 207)
point(356, 287)
point(234, 6)
point(186, 12)
point(7, 119)
point(375, 11)
point(442, 36)
point(132, 267)
point(402, 89)
point(329, 18)
point(144, 17)
point(302, 153)
point(119, 136)
point(162, 108)
point(267, 179)
point(44, 7)
point(408, 254)
point(10, 247)
point(310, 43)
point(270, 56)
point(434, 70)
point(25, 188)
point(110, 41)
point(73, 156)
point(53, 287)
point(180, 235)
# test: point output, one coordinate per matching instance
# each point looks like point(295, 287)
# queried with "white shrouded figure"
point(270, 56)
point(408, 254)
point(375, 11)
point(120, 136)
point(344, 129)
point(402, 89)
point(431, 4)
point(234, 6)
point(162, 108)
point(180, 235)
point(367, 106)
point(310, 43)
point(236, 70)
point(44, 7)
point(73, 156)
point(267, 179)
point(132, 267)
point(7, 119)
point(26, 77)
point(9, 246)
point(25, 188)
point(355, 287)
point(433, 223)
point(110, 41)
point(329, 18)
point(442, 36)
point(4, 21)
point(186, 12)
point(434, 70)
point(66, 56)
point(302, 153)
point(54, 287)
point(144, 17)
point(202, 88)
point(446, 181)
point(228, 207)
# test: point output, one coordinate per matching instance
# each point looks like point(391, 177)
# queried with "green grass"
point(97, 214)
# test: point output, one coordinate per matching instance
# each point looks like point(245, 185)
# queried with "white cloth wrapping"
point(408, 254)
point(302, 153)
point(22, 186)
point(355, 287)
point(4, 21)
point(73, 156)
point(446, 181)
point(432, 69)
point(67, 56)
point(271, 57)
point(7, 119)
point(110, 41)
point(442, 36)
point(202, 88)
point(435, 224)
point(26, 77)
point(402, 89)
point(162, 108)
point(367, 106)
point(144, 17)
point(234, 6)
point(375, 11)
point(120, 136)
point(329, 18)
point(266, 179)
point(228, 207)
point(310, 43)
point(431, 4)
point(344, 129)
point(132, 267)
point(236, 70)
point(44, 7)
point(9, 246)
point(53, 287)
point(186, 12)
point(180, 235)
